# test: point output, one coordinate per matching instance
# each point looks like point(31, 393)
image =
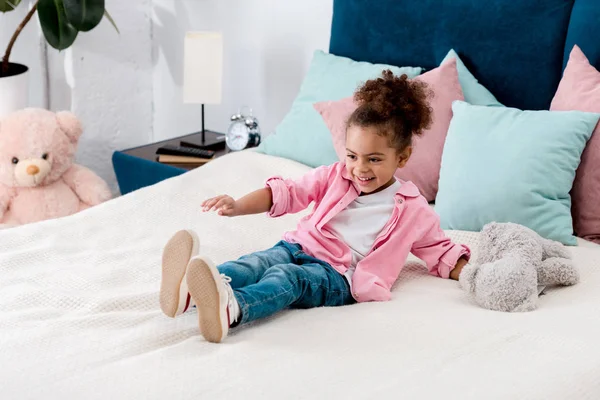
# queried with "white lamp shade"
point(203, 67)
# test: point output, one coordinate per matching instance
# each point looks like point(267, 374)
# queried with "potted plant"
point(61, 22)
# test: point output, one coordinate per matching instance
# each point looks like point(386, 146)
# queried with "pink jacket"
point(413, 227)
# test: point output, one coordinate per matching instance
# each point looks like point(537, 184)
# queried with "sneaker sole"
point(178, 252)
point(202, 278)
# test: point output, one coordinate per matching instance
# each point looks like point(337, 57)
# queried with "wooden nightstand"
point(138, 167)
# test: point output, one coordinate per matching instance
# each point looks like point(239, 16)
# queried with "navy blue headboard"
point(515, 48)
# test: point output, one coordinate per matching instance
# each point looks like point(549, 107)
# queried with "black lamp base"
point(212, 141)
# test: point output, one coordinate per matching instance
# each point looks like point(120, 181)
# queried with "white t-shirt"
point(359, 224)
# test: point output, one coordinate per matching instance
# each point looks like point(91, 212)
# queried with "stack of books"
point(171, 159)
point(184, 156)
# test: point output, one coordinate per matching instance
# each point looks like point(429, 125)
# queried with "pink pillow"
point(579, 89)
point(423, 167)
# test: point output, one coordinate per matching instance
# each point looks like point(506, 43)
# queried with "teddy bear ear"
point(551, 249)
point(70, 124)
point(467, 277)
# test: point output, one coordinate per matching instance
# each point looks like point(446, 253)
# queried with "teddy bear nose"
point(32, 170)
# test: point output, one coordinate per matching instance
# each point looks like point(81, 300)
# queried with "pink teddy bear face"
point(37, 146)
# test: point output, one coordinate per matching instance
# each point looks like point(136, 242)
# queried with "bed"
point(79, 313)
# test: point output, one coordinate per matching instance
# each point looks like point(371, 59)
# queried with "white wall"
point(109, 79)
point(268, 45)
point(126, 88)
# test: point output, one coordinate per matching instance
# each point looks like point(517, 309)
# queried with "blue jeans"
point(284, 276)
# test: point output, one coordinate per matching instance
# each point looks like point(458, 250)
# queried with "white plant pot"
point(14, 89)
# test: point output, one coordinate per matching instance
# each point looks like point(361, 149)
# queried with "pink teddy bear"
point(38, 179)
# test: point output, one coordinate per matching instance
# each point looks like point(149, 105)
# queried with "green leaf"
point(84, 15)
point(8, 5)
point(57, 30)
point(112, 21)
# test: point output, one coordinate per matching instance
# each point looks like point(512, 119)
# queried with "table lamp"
point(202, 77)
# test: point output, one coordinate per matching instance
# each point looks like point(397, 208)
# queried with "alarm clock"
point(243, 132)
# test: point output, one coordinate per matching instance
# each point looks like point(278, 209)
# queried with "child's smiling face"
point(370, 160)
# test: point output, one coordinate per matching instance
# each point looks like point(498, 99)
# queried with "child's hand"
point(253, 203)
point(224, 205)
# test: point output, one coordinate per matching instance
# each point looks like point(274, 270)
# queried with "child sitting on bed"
point(350, 249)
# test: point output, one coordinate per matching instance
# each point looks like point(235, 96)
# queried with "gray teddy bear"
point(512, 260)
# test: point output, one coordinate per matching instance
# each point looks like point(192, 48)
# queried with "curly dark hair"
point(396, 104)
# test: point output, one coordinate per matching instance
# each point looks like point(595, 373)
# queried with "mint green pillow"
point(474, 92)
point(507, 165)
point(302, 135)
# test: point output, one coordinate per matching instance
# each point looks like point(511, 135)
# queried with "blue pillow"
point(302, 135)
point(474, 92)
point(507, 165)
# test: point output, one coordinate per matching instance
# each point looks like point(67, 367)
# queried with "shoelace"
point(231, 298)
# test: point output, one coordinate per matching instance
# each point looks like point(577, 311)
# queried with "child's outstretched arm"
point(259, 201)
point(278, 197)
point(442, 257)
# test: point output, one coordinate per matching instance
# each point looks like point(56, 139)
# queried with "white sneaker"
point(174, 296)
point(214, 298)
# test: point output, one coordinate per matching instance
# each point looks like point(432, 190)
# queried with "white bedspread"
point(79, 316)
